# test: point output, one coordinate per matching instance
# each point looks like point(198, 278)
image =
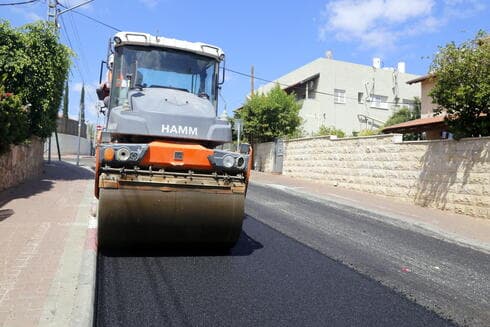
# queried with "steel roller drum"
point(130, 217)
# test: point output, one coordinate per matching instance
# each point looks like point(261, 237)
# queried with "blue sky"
point(274, 36)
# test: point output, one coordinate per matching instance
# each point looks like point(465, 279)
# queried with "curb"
point(83, 311)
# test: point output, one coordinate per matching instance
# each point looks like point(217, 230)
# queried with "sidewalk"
point(43, 247)
point(465, 230)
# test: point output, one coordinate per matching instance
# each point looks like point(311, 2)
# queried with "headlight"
point(123, 154)
point(228, 161)
point(240, 162)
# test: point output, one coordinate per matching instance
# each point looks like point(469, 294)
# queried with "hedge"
point(33, 70)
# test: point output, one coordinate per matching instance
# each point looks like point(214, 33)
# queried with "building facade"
point(347, 96)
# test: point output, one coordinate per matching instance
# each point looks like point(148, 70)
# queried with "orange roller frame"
point(176, 155)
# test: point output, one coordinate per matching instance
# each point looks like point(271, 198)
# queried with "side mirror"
point(223, 70)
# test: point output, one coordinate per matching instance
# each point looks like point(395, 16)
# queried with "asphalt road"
point(299, 262)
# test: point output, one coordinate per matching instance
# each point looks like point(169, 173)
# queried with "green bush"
point(324, 130)
point(269, 116)
point(14, 120)
point(368, 132)
point(34, 66)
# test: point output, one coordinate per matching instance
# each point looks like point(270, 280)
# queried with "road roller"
point(163, 174)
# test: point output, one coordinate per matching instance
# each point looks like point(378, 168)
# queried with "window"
point(410, 104)
point(162, 68)
point(379, 101)
point(305, 89)
point(360, 97)
point(312, 86)
point(339, 96)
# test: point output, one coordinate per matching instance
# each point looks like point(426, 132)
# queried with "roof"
point(421, 78)
point(145, 39)
point(416, 125)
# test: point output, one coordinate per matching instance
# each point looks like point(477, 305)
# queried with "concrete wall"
point(264, 156)
point(427, 107)
point(353, 78)
point(21, 163)
point(70, 126)
point(445, 174)
point(68, 145)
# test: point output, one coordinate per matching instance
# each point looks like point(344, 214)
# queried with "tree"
point(36, 65)
point(400, 116)
point(462, 87)
point(65, 100)
point(82, 104)
point(405, 114)
point(269, 116)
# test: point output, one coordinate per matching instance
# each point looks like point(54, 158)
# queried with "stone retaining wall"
point(445, 174)
point(20, 163)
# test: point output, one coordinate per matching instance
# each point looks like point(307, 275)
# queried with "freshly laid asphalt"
point(299, 262)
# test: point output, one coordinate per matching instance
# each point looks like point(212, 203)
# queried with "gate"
point(278, 156)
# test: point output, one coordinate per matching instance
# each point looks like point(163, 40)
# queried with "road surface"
point(300, 262)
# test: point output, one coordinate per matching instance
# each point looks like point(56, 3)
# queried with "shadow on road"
point(5, 213)
point(60, 170)
point(244, 247)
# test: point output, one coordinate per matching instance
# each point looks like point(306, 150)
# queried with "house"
point(347, 96)
point(433, 126)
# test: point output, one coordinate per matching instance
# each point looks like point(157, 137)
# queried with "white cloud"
point(32, 16)
point(381, 23)
point(149, 3)
point(27, 12)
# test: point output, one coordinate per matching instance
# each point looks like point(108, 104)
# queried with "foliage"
point(369, 132)
point(324, 130)
point(66, 100)
point(35, 65)
point(297, 134)
point(271, 115)
point(82, 104)
point(90, 131)
point(400, 116)
point(406, 114)
point(14, 121)
point(462, 86)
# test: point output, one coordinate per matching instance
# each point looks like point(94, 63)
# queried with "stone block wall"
point(21, 163)
point(264, 156)
point(445, 174)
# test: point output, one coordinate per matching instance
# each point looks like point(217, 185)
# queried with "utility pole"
point(252, 77)
point(53, 14)
point(81, 116)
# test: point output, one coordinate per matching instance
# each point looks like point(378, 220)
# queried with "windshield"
point(162, 68)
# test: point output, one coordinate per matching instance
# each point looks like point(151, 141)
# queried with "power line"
point(93, 19)
point(293, 86)
point(18, 3)
point(78, 39)
point(71, 46)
